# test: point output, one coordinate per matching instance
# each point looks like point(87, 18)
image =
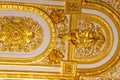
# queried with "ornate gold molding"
point(77, 39)
point(73, 6)
point(40, 13)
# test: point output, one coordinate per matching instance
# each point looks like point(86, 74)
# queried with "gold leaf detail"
point(58, 16)
point(55, 56)
point(19, 34)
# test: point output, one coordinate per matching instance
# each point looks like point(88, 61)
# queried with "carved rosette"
point(19, 34)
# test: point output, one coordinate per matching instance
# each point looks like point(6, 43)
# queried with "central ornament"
point(20, 34)
point(16, 35)
point(88, 39)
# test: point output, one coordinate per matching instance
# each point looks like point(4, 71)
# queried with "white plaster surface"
point(29, 68)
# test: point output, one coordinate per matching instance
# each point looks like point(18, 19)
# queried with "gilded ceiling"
point(59, 39)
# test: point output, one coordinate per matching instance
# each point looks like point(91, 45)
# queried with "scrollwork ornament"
point(61, 24)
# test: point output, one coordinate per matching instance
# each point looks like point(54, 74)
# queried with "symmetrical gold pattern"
point(51, 27)
point(90, 39)
point(76, 39)
point(19, 34)
point(68, 68)
point(60, 50)
point(73, 6)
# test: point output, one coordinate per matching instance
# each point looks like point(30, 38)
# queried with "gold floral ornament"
point(58, 16)
point(55, 56)
point(19, 34)
point(60, 20)
point(88, 39)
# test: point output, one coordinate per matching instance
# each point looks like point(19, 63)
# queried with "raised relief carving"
point(68, 68)
point(19, 34)
point(88, 39)
point(55, 56)
point(77, 43)
point(61, 24)
point(73, 6)
point(58, 16)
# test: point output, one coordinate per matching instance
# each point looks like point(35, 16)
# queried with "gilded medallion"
point(29, 33)
point(20, 34)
